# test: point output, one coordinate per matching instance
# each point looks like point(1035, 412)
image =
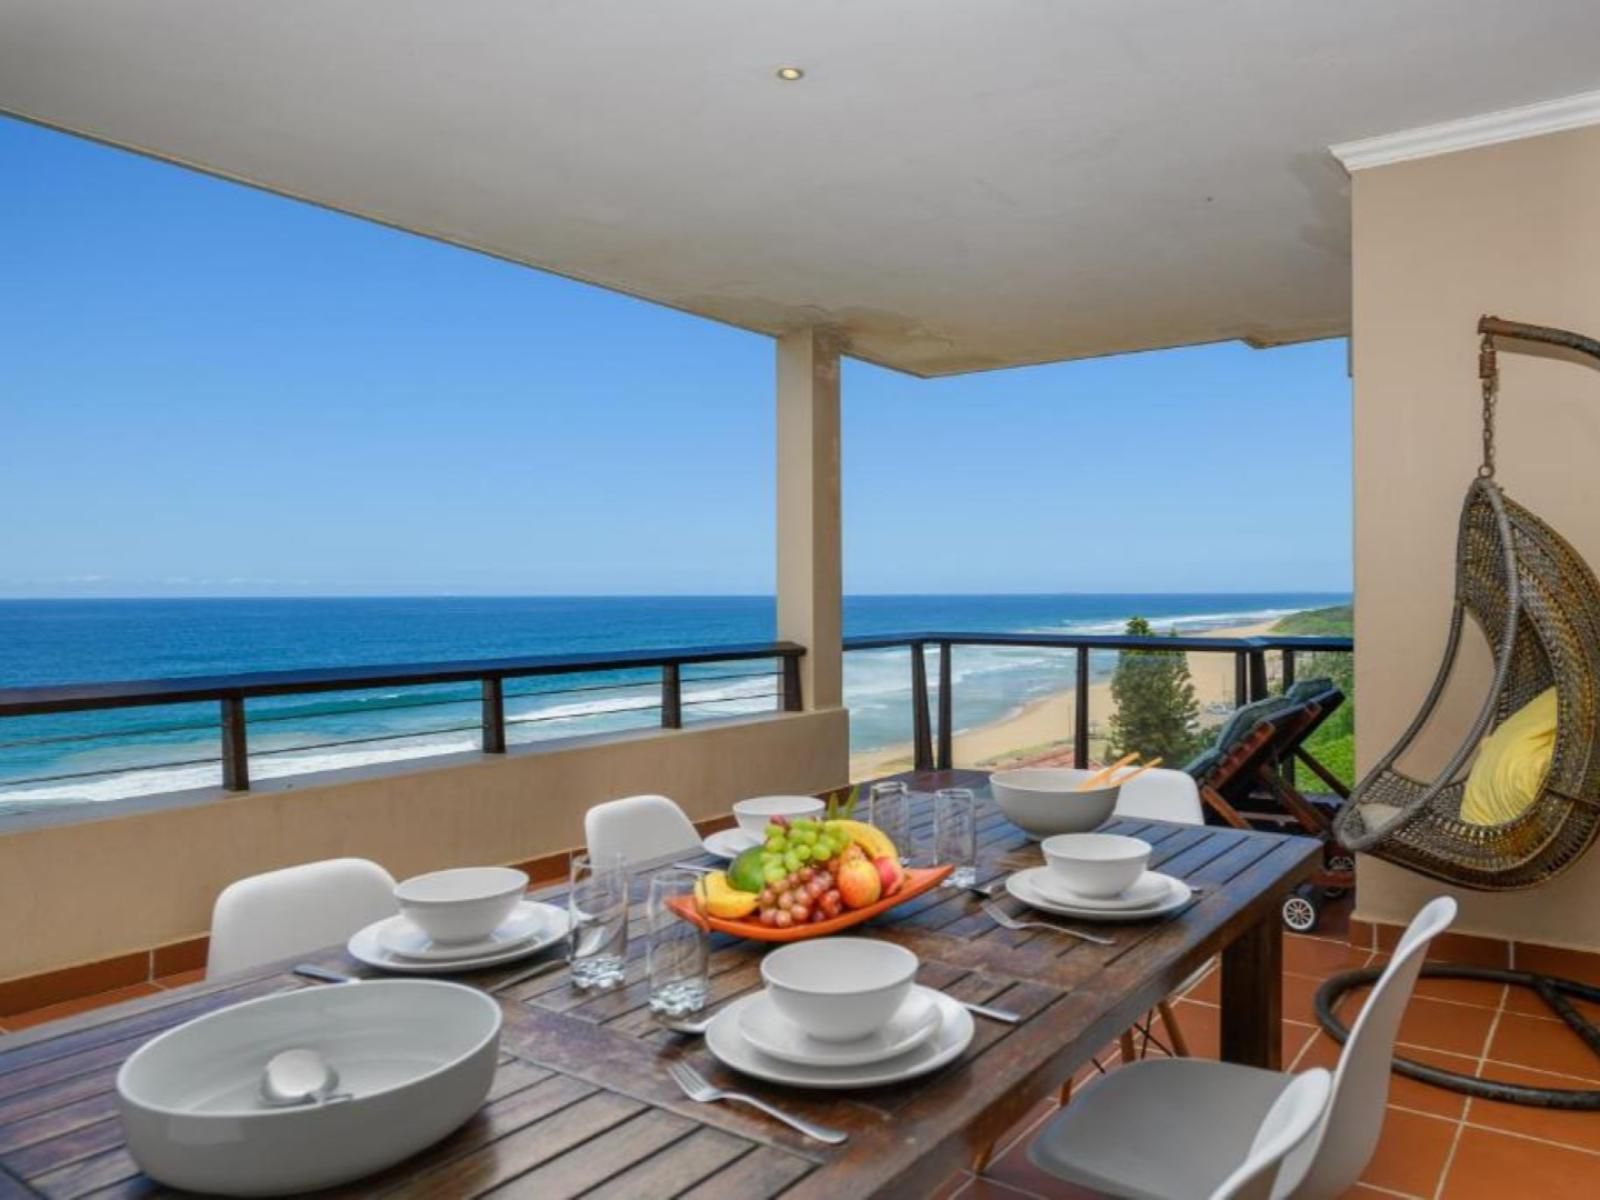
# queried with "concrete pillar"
point(810, 564)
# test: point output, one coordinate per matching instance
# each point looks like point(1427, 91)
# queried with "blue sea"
point(47, 761)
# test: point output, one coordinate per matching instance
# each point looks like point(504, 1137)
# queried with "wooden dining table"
point(582, 1103)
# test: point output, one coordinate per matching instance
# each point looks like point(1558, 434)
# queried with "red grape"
point(769, 917)
point(783, 920)
point(807, 874)
point(800, 912)
point(786, 899)
point(818, 914)
point(768, 898)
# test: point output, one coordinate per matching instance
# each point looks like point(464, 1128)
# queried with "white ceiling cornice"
point(1467, 133)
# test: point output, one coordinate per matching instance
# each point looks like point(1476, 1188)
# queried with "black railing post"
point(1258, 674)
point(946, 710)
point(1288, 667)
point(671, 696)
point(235, 746)
point(791, 683)
point(1080, 717)
point(494, 715)
point(1241, 680)
point(921, 734)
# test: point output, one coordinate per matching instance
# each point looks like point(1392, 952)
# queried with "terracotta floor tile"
point(1458, 991)
point(951, 1187)
point(1298, 991)
point(1411, 1153)
point(1435, 1024)
point(1581, 965)
point(182, 978)
point(1363, 1191)
point(992, 1189)
point(1580, 1129)
point(1209, 989)
point(1542, 1045)
point(1494, 1166)
point(1202, 1024)
point(1034, 1115)
point(1405, 1093)
point(1320, 956)
point(71, 1008)
point(1526, 1000)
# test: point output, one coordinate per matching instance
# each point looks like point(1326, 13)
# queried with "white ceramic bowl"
point(753, 815)
point(1096, 864)
point(1044, 801)
point(839, 989)
point(466, 904)
point(417, 1055)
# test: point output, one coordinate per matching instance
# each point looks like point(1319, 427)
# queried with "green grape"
point(775, 845)
point(792, 860)
point(824, 848)
point(774, 830)
point(775, 874)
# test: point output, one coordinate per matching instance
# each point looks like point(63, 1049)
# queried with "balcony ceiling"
point(953, 186)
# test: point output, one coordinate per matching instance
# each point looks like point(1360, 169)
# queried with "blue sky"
point(209, 390)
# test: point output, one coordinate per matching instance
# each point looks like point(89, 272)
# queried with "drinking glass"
point(678, 957)
point(889, 808)
point(597, 904)
point(955, 834)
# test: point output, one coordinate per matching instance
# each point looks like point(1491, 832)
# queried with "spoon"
point(299, 1076)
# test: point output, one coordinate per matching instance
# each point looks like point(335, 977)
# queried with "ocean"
point(47, 761)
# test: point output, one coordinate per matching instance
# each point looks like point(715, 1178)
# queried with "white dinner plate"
point(726, 1041)
point(729, 843)
point(1022, 886)
point(772, 1033)
point(1149, 890)
point(401, 936)
point(366, 947)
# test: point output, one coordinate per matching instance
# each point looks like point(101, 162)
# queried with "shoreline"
point(1042, 728)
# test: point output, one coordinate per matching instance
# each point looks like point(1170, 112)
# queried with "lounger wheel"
point(1302, 910)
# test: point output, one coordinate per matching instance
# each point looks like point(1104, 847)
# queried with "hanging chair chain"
point(1489, 374)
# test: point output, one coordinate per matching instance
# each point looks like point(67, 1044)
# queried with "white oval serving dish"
point(1045, 801)
point(417, 1057)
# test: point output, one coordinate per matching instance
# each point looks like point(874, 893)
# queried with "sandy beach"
point(1044, 726)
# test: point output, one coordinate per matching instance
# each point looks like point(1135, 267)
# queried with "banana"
point(871, 839)
point(716, 897)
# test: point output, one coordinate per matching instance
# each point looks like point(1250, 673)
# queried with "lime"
point(746, 874)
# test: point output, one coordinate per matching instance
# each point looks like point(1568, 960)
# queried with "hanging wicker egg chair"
point(1538, 604)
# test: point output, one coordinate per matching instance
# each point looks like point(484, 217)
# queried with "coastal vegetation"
point(1334, 744)
point(1157, 714)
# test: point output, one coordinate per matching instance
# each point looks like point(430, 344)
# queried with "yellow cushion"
point(1512, 764)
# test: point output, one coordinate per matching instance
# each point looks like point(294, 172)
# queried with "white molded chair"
point(264, 918)
point(1161, 795)
point(1181, 1126)
point(639, 828)
point(1288, 1122)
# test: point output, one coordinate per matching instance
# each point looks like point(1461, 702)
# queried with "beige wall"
point(92, 889)
point(1513, 230)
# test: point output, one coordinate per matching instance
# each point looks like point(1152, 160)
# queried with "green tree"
point(1157, 714)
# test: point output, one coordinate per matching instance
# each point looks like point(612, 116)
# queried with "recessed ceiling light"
point(790, 74)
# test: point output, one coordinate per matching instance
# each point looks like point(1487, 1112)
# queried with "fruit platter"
point(810, 877)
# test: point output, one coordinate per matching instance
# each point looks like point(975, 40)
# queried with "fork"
point(699, 1089)
point(1001, 917)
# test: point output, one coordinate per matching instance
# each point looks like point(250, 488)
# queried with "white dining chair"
point(1161, 795)
point(1182, 1126)
point(640, 828)
point(1287, 1125)
point(264, 918)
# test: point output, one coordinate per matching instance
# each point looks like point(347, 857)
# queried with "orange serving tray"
point(918, 880)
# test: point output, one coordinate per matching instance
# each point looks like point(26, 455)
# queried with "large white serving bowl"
point(754, 814)
point(417, 1056)
point(839, 989)
point(1095, 864)
point(1044, 801)
point(465, 904)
